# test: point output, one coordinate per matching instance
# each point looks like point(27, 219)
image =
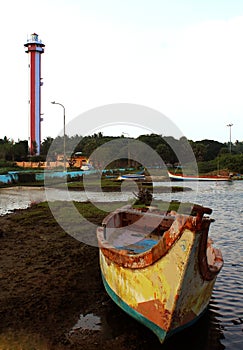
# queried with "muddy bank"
point(51, 294)
point(48, 279)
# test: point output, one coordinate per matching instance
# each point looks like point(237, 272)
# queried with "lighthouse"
point(35, 48)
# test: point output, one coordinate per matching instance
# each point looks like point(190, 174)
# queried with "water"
point(222, 326)
point(226, 306)
point(89, 321)
point(12, 198)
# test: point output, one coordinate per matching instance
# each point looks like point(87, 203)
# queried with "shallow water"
point(226, 306)
point(222, 326)
point(22, 197)
point(89, 321)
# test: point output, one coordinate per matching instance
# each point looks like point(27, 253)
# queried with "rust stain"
point(208, 270)
point(175, 228)
point(155, 311)
point(123, 258)
point(181, 319)
point(175, 289)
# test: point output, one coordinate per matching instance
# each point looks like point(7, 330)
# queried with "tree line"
point(208, 153)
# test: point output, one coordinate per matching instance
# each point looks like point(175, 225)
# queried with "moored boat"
point(159, 267)
point(133, 177)
point(182, 177)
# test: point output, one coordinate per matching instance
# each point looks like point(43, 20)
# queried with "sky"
point(183, 58)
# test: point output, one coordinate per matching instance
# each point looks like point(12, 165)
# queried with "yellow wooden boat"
point(159, 267)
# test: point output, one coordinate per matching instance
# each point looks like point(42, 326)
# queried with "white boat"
point(182, 177)
point(133, 177)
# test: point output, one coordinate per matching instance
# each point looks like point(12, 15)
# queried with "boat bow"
point(160, 268)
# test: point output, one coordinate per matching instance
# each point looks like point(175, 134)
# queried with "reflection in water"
point(22, 197)
point(89, 321)
point(206, 334)
point(19, 198)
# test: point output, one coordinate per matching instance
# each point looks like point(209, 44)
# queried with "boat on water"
point(182, 177)
point(159, 267)
point(133, 177)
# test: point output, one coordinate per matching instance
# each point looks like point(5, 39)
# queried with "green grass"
point(168, 206)
point(41, 214)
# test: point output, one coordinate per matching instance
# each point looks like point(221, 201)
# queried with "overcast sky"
point(183, 58)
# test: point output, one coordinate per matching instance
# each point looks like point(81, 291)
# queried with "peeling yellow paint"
point(171, 283)
point(162, 279)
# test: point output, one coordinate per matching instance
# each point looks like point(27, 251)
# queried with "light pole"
point(128, 149)
point(64, 133)
point(230, 125)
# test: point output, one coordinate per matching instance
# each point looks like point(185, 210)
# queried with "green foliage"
point(6, 166)
point(164, 146)
point(229, 162)
point(144, 196)
point(206, 150)
point(233, 162)
point(20, 150)
point(207, 167)
point(210, 155)
point(45, 146)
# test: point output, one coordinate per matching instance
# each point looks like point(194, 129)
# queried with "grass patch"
point(168, 206)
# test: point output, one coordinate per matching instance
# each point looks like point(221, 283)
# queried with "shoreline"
point(94, 187)
point(25, 196)
point(49, 280)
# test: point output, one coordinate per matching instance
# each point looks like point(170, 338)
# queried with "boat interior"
point(128, 232)
point(134, 230)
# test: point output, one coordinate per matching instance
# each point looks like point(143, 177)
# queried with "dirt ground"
point(49, 282)
point(48, 279)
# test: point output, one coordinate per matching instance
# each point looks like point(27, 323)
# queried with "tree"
point(45, 145)
point(165, 153)
point(3, 147)
point(20, 150)
point(211, 148)
point(153, 140)
point(199, 150)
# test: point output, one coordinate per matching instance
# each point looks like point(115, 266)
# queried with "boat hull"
point(158, 331)
point(132, 177)
point(166, 296)
point(176, 177)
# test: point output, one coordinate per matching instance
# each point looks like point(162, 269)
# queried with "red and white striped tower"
point(35, 48)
